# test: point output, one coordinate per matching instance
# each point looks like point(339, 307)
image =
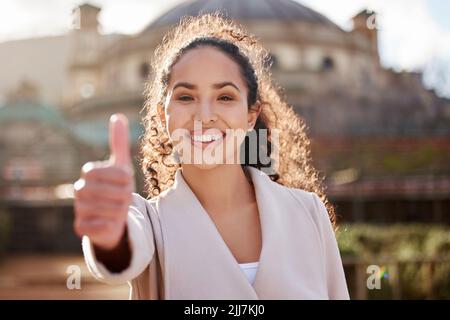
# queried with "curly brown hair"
point(295, 168)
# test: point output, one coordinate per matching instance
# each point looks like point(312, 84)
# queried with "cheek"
point(176, 117)
point(236, 116)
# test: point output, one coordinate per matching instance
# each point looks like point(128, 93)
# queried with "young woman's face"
point(206, 107)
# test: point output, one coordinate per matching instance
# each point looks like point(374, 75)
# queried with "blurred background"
point(370, 78)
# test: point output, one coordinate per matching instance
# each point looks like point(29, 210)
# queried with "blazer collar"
point(192, 240)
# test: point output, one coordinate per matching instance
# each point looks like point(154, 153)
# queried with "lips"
point(211, 131)
point(206, 137)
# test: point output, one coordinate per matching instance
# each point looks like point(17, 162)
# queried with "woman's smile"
point(210, 137)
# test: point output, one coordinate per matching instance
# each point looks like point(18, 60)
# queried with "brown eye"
point(226, 98)
point(185, 98)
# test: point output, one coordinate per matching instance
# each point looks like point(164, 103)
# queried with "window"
point(87, 90)
point(144, 70)
point(327, 64)
point(272, 61)
point(286, 56)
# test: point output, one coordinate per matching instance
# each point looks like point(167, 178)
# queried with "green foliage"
point(399, 241)
point(412, 246)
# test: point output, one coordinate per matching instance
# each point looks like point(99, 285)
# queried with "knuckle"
point(93, 168)
point(83, 210)
point(125, 196)
point(118, 210)
point(124, 173)
point(113, 211)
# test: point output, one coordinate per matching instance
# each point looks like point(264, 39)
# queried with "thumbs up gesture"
point(104, 191)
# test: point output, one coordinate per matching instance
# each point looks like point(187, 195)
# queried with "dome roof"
point(243, 10)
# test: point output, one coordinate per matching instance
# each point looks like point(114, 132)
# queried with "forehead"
point(206, 65)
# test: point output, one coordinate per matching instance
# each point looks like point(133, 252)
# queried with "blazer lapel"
point(291, 262)
point(199, 265)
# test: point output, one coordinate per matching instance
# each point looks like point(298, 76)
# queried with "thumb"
point(119, 140)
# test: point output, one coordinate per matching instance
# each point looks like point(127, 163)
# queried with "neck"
point(221, 188)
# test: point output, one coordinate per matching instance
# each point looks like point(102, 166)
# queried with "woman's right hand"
point(104, 191)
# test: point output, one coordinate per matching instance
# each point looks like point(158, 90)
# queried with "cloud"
point(411, 37)
point(125, 16)
point(23, 19)
point(339, 12)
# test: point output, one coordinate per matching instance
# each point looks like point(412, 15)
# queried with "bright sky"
point(414, 34)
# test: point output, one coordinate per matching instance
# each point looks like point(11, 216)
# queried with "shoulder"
point(309, 201)
point(313, 205)
point(302, 197)
point(305, 198)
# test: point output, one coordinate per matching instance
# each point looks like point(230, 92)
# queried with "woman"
point(224, 225)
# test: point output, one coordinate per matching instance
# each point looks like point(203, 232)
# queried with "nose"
point(205, 113)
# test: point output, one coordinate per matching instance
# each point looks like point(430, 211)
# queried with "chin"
point(206, 162)
point(204, 166)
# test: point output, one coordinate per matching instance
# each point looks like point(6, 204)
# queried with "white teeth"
point(206, 138)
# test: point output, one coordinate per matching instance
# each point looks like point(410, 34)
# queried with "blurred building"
point(382, 139)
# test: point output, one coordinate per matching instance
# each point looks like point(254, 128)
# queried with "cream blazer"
point(178, 253)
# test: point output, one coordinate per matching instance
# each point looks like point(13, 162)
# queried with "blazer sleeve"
point(140, 238)
point(336, 282)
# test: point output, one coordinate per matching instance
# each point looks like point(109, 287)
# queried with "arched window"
point(144, 70)
point(327, 63)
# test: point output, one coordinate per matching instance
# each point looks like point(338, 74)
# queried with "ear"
point(253, 114)
point(161, 113)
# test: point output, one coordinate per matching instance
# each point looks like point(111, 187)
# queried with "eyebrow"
point(215, 86)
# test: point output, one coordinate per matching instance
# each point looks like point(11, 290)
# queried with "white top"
point(250, 270)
